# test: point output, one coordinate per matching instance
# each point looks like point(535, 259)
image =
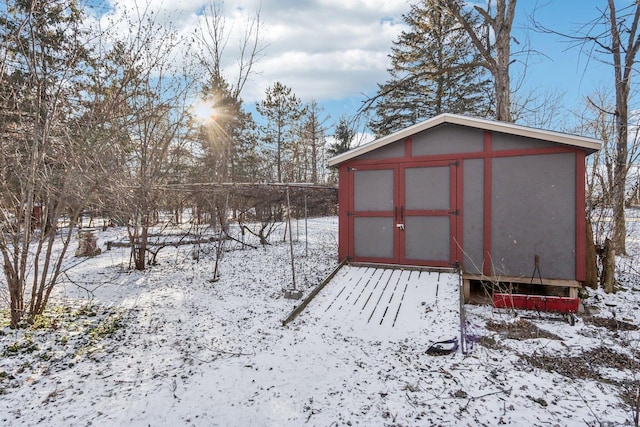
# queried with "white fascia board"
point(588, 144)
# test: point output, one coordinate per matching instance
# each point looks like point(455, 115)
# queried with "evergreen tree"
point(433, 70)
point(343, 136)
point(312, 134)
point(282, 109)
point(227, 139)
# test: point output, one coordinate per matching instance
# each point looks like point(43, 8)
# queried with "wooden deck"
point(389, 302)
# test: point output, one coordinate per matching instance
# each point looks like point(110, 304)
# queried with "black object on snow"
point(442, 348)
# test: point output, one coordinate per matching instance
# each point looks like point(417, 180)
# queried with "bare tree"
point(48, 167)
point(147, 68)
point(493, 41)
point(597, 121)
point(540, 108)
point(614, 38)
point(623, 45)
point(213, 38)
point(227, 133)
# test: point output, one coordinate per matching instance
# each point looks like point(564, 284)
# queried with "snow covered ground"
point(167, 347)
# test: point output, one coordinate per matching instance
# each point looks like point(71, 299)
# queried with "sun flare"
point(204, 111)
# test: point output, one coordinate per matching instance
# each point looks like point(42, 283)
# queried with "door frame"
point(399, 213)
point(453, 212)
point(352, 214)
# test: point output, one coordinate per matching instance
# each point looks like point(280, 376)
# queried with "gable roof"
point(588, 144)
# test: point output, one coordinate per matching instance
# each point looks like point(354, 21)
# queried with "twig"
point(485, 395)
point(311, 413)
point(90, 294)
point(218, 354)
point(239, 241)
point(636, 415)
point(174, 387)
point(588, 407)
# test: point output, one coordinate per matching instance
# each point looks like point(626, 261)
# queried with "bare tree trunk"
point(623, 61)
point(592, 260)
point(500, 26)
point(141, 245)
point(619, 232)
point(15, 295)
point(502, 84)
point(608, 279)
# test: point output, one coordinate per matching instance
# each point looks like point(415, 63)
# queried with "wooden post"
point(293, 267)
point(306, 235)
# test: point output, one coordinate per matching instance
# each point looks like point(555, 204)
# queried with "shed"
point(498, 200)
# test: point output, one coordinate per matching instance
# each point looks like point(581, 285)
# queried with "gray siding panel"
point(473, 215)
point(448, 139)
point(391, 151)
point(427, 188)
point(427, 238)
point(373, 237)
point(503, 141)
point(373, 190)
point(533, 213)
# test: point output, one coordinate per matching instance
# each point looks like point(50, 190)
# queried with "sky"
point(336, 51)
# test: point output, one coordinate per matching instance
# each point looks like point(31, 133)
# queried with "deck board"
point(389, 302)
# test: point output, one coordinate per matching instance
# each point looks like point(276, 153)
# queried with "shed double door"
point(404, 214)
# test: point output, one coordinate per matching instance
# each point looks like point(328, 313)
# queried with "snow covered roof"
point(588, 144)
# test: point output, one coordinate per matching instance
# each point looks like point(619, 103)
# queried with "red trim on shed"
point(407, 148)
point(398, 203)
point(400, 164)
point(343, 209)
point(461, 156)
point(459, 217)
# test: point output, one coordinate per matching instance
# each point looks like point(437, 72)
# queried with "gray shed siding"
point(374, 190)
point(389, 152)
point(487, 200)
point(533, 213)
point(447, 139)
point(473, 215)
point(502, 141)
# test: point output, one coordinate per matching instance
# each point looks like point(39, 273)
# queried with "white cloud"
point(329, 49)
point(322, 49)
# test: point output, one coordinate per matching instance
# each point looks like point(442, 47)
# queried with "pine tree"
point(433, 70)
point(312, 133)
point(227, 138)
point(343, 136)
point(282, 109)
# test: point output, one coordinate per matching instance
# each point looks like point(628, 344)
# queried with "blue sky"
point(562, 65)
point(335, 51)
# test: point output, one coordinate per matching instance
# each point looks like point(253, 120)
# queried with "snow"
point(166, 346)
point(390, 304)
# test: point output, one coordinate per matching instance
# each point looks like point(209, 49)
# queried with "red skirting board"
point(536, 302)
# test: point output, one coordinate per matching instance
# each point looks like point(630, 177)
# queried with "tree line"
point(100, 112)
